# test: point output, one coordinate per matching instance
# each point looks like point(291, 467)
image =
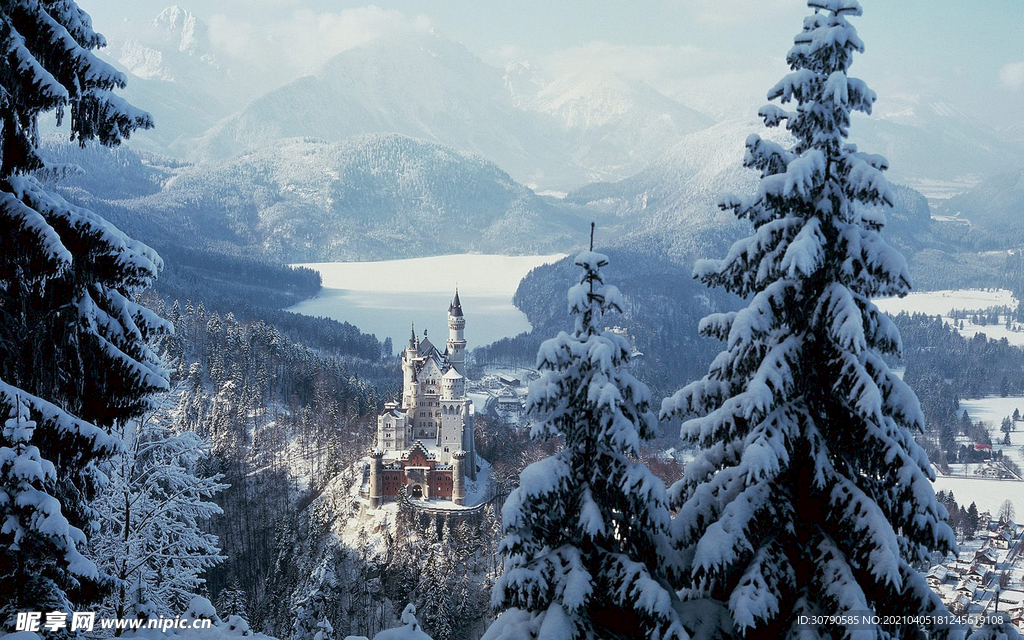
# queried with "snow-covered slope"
point(675, 196)
point(370, 197)
point(995, 208)
point(553, 134)
point(171, 48)
point(614, 125)
point(523, 81)
point(674, 199)
point(927, 141)
point(421, 86)
point(175, 74)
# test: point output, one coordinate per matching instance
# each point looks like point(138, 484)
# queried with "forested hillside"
point(305, 200)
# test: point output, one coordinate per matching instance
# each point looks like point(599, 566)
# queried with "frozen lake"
point(385, 298)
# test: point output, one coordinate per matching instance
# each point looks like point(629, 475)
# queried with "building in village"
point(425, 443)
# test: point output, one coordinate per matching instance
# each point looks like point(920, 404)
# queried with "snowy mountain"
point(994, 209)
point(673, 201)
point(552, 134)
point(614, 125)
point(420, 86)
point(555, 134)
point(675, 196)
point(932, 146)
point(176, 75)
point(170, 48)
point(523, 81)
point(370, 197)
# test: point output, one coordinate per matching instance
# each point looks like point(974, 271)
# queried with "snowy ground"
point(939, 190)
point(385, 298)
point(479, 400)
point(987, 493)
point(940, 303)
point(991, 411)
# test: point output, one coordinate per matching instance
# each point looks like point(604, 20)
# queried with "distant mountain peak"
point(594, 98)
point(182, 25)
point(172, 48)
point(523, 82)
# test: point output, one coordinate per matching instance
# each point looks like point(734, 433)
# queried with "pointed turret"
point(456, 338)
point(455, 309)
point(412, 338)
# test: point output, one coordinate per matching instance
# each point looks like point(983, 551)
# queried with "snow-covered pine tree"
point(810, 495)
point(232, 601)
point(152, 517)
point(73, 339)
point(42, 548)
point(410, 629)
point(586, 545)
point(324, 630)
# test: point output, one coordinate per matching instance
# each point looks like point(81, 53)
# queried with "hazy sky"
point(714, 54)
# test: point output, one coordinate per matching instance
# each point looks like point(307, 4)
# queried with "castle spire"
point(455, 309)
point(412, 337)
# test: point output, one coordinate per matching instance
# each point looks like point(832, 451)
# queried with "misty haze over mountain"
point(552, 122)
point(370, 134)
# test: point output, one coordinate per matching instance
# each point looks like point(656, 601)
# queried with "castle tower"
point(453, 385)
point(409, 386)
point(458, 478)
point(453, 411)
point(376, 466)
point(456, 335)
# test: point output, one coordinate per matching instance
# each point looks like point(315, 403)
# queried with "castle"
point(426, 444)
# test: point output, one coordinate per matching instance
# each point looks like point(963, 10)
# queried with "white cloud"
point(300, 41)
point(1011, 75)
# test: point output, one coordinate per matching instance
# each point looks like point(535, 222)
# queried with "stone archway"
point(416, 492)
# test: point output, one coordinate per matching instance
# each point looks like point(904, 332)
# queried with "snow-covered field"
point(385, 298)
point(992, 410)
point(940, 303)
point(987, 493)
point(939, 190)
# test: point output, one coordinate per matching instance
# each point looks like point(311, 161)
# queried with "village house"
point(987, 557)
